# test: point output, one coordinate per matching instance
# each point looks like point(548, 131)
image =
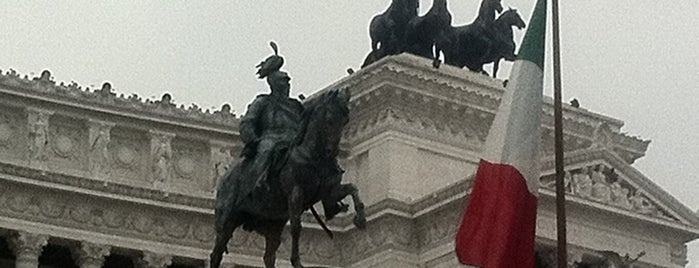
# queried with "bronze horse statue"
point(504, 43)
point(469, 45)
point(387, 30)
point(423, 32)
point(307, 172)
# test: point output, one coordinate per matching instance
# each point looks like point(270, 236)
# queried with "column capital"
point(28, 246)
point(89, 255)
point(154, 260)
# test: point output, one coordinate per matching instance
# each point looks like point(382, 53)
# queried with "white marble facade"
point(118, 179)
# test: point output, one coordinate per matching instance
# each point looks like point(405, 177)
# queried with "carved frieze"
point(603, 184)
point(105, 216)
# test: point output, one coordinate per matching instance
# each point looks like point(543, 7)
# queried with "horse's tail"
point(322, 224)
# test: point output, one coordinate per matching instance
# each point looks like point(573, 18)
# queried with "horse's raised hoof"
point(359, 221)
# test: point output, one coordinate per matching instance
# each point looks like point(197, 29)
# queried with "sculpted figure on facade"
point(38, 135)
point(221, 158)
point(99, 160)
point(583, 183)
point(600, 189)
point(161, 153)
point(641, 204)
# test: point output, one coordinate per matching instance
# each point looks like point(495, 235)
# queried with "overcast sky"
point(635, 60)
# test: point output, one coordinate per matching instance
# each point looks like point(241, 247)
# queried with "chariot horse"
point(305, 173)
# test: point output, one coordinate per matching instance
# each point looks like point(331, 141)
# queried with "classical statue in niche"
point(99, 153)
point(162, 154)
point(39, 135)
point(289, 163)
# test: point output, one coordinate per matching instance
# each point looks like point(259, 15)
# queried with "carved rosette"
point(27, 248)
point(38, 135)
point(154, 260)
point(89, 255)
point(99, 137)
point(161, 157)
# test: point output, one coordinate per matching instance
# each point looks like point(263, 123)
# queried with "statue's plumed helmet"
point(277, 75)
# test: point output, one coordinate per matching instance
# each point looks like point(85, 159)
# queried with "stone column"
point(89, 255)
point(27, 248)
point(38, 120)
point(99, 136)
point(161, 156)
point(154, 260)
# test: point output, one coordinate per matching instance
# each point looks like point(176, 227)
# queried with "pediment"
point(600, 177)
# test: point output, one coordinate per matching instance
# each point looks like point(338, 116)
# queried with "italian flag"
point(498, 227)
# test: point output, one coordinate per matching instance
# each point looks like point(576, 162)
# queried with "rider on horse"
point(268, 128)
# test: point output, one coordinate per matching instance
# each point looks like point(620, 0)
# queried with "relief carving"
point(603, 184)
point(38, 135)
point(161, 155)
point(99, 137)
point(221, 160)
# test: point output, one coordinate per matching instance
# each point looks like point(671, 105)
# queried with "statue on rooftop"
point(289, 163)
point(423, 32)
point(387, 30)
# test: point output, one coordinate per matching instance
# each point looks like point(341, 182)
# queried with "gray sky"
point(635, 60)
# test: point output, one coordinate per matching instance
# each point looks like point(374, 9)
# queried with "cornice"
point(107, 102)
point(396, 81)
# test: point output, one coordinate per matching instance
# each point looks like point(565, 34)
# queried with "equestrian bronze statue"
point(387, 30)
point(503, 46)
point(423, 32)
point(470, 45)
point(289, 164)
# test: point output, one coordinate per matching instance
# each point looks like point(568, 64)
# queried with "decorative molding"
point(105, 99)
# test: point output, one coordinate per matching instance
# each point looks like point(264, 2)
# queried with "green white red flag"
point(498, 227)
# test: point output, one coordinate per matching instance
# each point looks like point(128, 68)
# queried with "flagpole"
point(558, 134)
